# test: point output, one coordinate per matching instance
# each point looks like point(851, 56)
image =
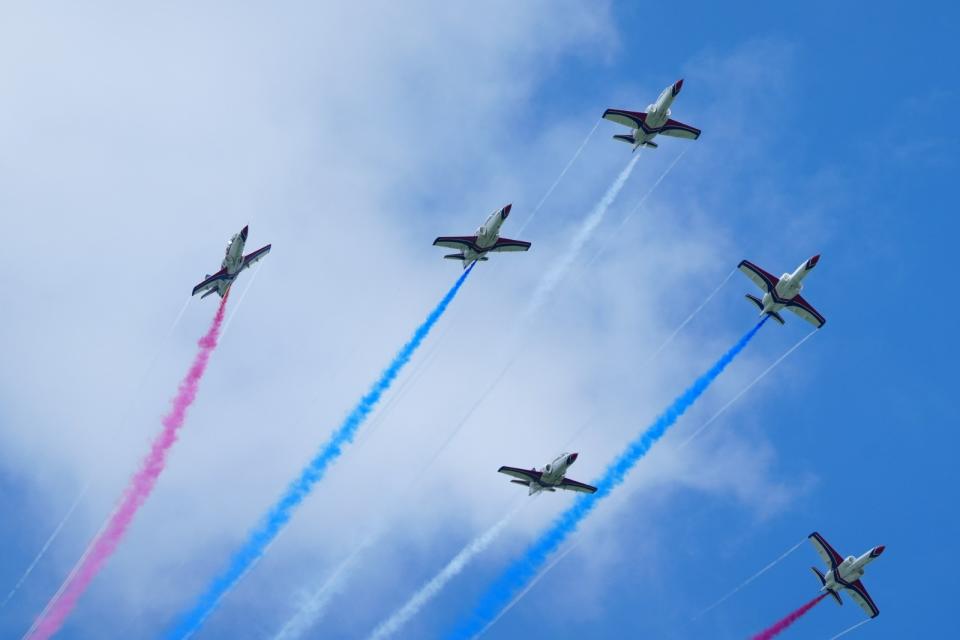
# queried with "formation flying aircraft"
point(550, 478)
point(486, 239)
point(655, 121)
point(783, 292)
point(845, 574)
point(233, 263)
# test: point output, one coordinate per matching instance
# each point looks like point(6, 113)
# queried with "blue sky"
point(136, 143)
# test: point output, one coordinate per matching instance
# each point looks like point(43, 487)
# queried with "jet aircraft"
point(783, 292)
point(655, 121)
point(550, 478)
point(233, 263)
point(845, 573)
point(486, 239)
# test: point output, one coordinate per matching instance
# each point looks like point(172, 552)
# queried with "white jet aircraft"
point(845, 574)
point(550, 478)
point(487, 239)
point(783, 292)
point(233, 263)
point(655, 121)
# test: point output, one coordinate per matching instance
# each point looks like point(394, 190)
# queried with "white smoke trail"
point(745, 389)
point(751, 579)
point(310, 613)
point(559, 178)
point(427, 592)
point(636, 207)
point(316, 604)
point(562, 264)
point(849, 629)
point(46, 545)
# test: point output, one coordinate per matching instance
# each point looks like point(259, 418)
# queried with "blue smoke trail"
point(517, 575)
point(281, 512)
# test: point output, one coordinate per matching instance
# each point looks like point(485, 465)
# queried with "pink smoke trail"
point(777, 627)
point(136, 493)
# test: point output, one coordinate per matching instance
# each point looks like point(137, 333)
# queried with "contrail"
point(519, 574)
point(314, 608)
point(316, 605)
point(560, 267)
point(778, 627)
point(243, 295)
point(849, 629)
point(136, 493)
point(559, 178)
point(636, 207)
point(751, 579)
point(46, 545)
point(689, 318)
point(530, 586)
point(428, 591)
point(745, 389)
point(283, 509)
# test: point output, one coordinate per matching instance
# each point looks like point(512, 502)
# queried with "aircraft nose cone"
point(677, 86)
point(506, 211)
point(243, 232)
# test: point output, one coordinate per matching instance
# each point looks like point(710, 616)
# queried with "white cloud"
point(348, 136)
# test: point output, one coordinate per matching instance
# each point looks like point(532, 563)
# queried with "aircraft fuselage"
point(657, 114)
point(849, 570)
point(788, 287)
point(553, 473)
point(233, 256)
point(487, 234)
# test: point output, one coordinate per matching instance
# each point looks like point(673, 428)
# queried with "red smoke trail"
point(136, 493)
point(788, 620)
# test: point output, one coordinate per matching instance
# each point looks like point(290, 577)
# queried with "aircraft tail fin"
point(823, 582)
point(773, 314)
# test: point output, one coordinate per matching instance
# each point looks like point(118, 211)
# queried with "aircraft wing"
point(458, 242)
point(859, 594)
point(632, 119)
point(529, 475)
point(506, 244)
point(211, 281)
point(253, 256)
point(761, 278)
point(573, 485)
point(679, 130)
point(827, 553)
point(803, 309)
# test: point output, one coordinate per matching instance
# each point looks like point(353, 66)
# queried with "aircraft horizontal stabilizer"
point(651, 144)
point(210, 291)
point(823, 582)
point(776, 316)
point(755, 300)
point(454, 256)
point(629, 139)
point(525, 483)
